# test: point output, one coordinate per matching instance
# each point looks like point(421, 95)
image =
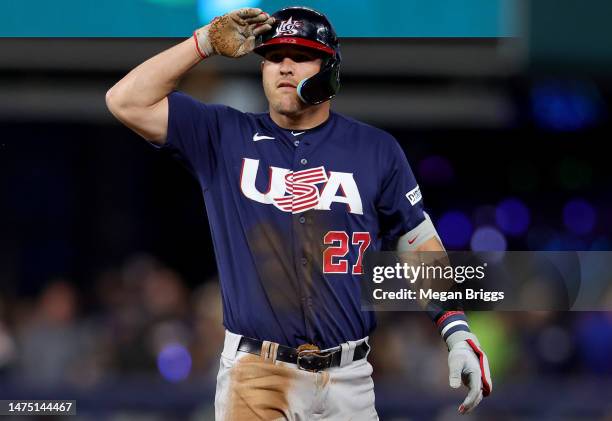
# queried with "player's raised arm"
point(139, 100)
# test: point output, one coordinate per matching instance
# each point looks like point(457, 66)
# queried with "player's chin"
point(288, 105)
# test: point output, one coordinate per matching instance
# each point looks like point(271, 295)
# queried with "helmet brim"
point(294, 41)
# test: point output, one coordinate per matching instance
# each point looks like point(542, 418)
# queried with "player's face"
point(282, 70)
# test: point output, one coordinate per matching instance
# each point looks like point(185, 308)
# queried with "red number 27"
point(338, 242)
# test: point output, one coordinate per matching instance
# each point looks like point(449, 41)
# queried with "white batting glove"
point(468, 364)
point(233, 34)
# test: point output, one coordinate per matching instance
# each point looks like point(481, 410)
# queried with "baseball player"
point(295, 197)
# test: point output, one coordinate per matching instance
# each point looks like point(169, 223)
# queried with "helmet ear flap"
point(323, 86)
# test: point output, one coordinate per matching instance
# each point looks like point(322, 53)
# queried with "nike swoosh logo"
point(296, 134)
point(257, 137)
point(413, 240)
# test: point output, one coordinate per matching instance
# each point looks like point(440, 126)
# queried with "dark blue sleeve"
point(194, 134)
point(400, 205)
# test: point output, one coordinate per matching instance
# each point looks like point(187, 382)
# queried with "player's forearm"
point(424, 239)
point(151, 81)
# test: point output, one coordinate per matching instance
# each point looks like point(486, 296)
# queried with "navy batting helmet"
point(307, 28)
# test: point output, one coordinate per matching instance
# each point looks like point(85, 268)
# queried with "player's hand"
point(233, 34)
point(469, 365)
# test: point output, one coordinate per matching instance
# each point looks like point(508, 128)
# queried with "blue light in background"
point(443, 18)
point(455, 229)
point(436, 170)
point(565, 106)
point(174, 362)
point(488, 239)
point(594, 342)
point(579, 216)
point(512, 217)
point(108, 18)
point(171, 3)
point(564, 242)
point(178, 18)
point(601, 243)
point(209, 9)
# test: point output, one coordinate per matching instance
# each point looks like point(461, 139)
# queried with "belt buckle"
point(310, 356)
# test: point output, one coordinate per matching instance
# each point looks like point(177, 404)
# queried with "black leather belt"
point(309, 360)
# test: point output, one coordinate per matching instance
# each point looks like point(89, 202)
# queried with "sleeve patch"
point(414, 195)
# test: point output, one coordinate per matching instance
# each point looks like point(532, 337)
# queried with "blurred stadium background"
point(108, 292)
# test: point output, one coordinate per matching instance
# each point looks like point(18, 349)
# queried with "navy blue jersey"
point(291, 215)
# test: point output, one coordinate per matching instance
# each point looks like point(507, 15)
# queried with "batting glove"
point(468, 363)
point(233, 34)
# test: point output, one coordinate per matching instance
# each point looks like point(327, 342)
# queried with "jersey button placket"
point(303, 161)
